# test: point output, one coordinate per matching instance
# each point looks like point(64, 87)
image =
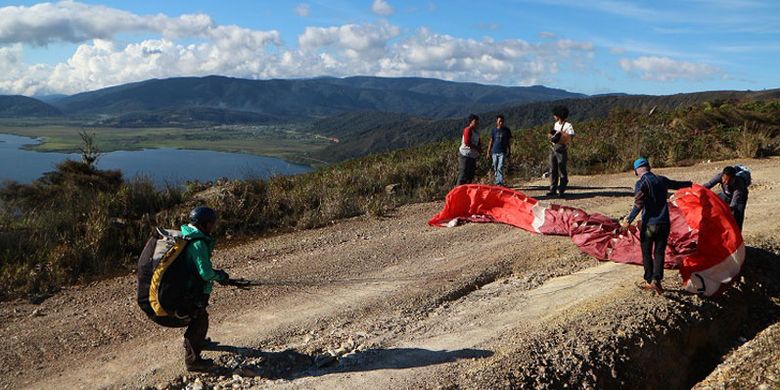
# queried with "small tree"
point(89, 151)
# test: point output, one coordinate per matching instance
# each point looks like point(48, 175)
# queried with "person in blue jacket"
point(203, 220)
point(650, 197)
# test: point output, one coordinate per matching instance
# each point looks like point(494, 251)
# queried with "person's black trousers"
point(559, 156)
point(467, 167)
point(195, 335)
point(653, 240)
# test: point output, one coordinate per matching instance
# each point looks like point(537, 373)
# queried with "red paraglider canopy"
point(704, 241)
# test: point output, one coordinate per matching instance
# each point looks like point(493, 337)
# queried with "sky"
point(588, 46)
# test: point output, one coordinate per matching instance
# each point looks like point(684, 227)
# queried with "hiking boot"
point(201, 365)
point(654, 287)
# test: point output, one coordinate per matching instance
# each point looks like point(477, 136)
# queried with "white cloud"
point(69, 21)
point(356, 41)
point(302, 10)
point(193, 45)
point(547, 35)
point(667, 69)
point(382, 7)
point(511, 61)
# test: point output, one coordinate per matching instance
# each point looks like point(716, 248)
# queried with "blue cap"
point(641, 162)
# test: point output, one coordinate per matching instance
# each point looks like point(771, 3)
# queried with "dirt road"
point(392, 303)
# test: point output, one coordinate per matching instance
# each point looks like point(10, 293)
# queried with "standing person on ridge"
point(734, 191)
point(559, 136)
point(469, 150)
point(203, 220)
point(650, 194)
point(500, 147)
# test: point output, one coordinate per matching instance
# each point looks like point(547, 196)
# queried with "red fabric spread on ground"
point(704, 242)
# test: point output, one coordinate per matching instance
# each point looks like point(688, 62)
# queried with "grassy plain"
point(287, 142)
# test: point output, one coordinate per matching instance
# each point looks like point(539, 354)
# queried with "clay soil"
point(389, 302)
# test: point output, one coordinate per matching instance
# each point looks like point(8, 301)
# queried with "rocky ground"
point(393, 303)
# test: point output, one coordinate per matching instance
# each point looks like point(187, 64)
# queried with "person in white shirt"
point(560, 136)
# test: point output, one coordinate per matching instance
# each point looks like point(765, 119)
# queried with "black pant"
point(467, 166)
point(653, 240)
point(195, 335)
point(559, 156)
point(737, 211)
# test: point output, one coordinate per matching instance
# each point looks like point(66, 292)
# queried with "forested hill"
point(366, 133)
point(305, 98)
point(14, 106)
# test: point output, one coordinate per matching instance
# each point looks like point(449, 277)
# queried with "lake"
point(165, 165)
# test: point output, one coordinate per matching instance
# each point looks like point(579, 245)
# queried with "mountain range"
point(366, 114)
point(295, 100)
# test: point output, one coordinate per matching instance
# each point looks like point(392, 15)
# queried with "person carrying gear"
point(734, 191)
point(559, 136)
point(650, 193)
point(197, 254)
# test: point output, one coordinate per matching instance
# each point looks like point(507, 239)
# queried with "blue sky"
point(597, 46)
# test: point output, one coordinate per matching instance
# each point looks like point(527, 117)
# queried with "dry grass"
point(78, 223)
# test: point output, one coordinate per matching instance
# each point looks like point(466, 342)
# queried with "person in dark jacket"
point(198, 256)
point(734, 191)
point(650, 195)
point(500, 147)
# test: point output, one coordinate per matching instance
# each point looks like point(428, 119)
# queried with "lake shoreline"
point(164, 165)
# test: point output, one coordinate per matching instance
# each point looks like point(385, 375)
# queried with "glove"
point(222, 276)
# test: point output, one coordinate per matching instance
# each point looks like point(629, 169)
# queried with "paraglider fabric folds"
point(704, 243)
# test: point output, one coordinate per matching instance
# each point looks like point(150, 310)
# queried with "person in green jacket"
point(203, 220)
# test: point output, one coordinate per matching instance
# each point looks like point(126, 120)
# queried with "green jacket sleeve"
point(202, 259)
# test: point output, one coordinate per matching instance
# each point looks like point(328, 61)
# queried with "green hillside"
point(366, 133)
point(14, 106)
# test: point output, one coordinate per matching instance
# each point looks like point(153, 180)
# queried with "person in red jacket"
point(469, 150)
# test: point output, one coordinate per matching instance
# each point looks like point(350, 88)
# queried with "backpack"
point(744, 173)
point(166, 284)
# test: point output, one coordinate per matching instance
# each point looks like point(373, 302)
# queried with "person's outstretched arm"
point(714, 181)
point(676, 185)
point(200, 254)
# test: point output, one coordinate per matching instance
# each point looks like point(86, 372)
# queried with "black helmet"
point(202, 215)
